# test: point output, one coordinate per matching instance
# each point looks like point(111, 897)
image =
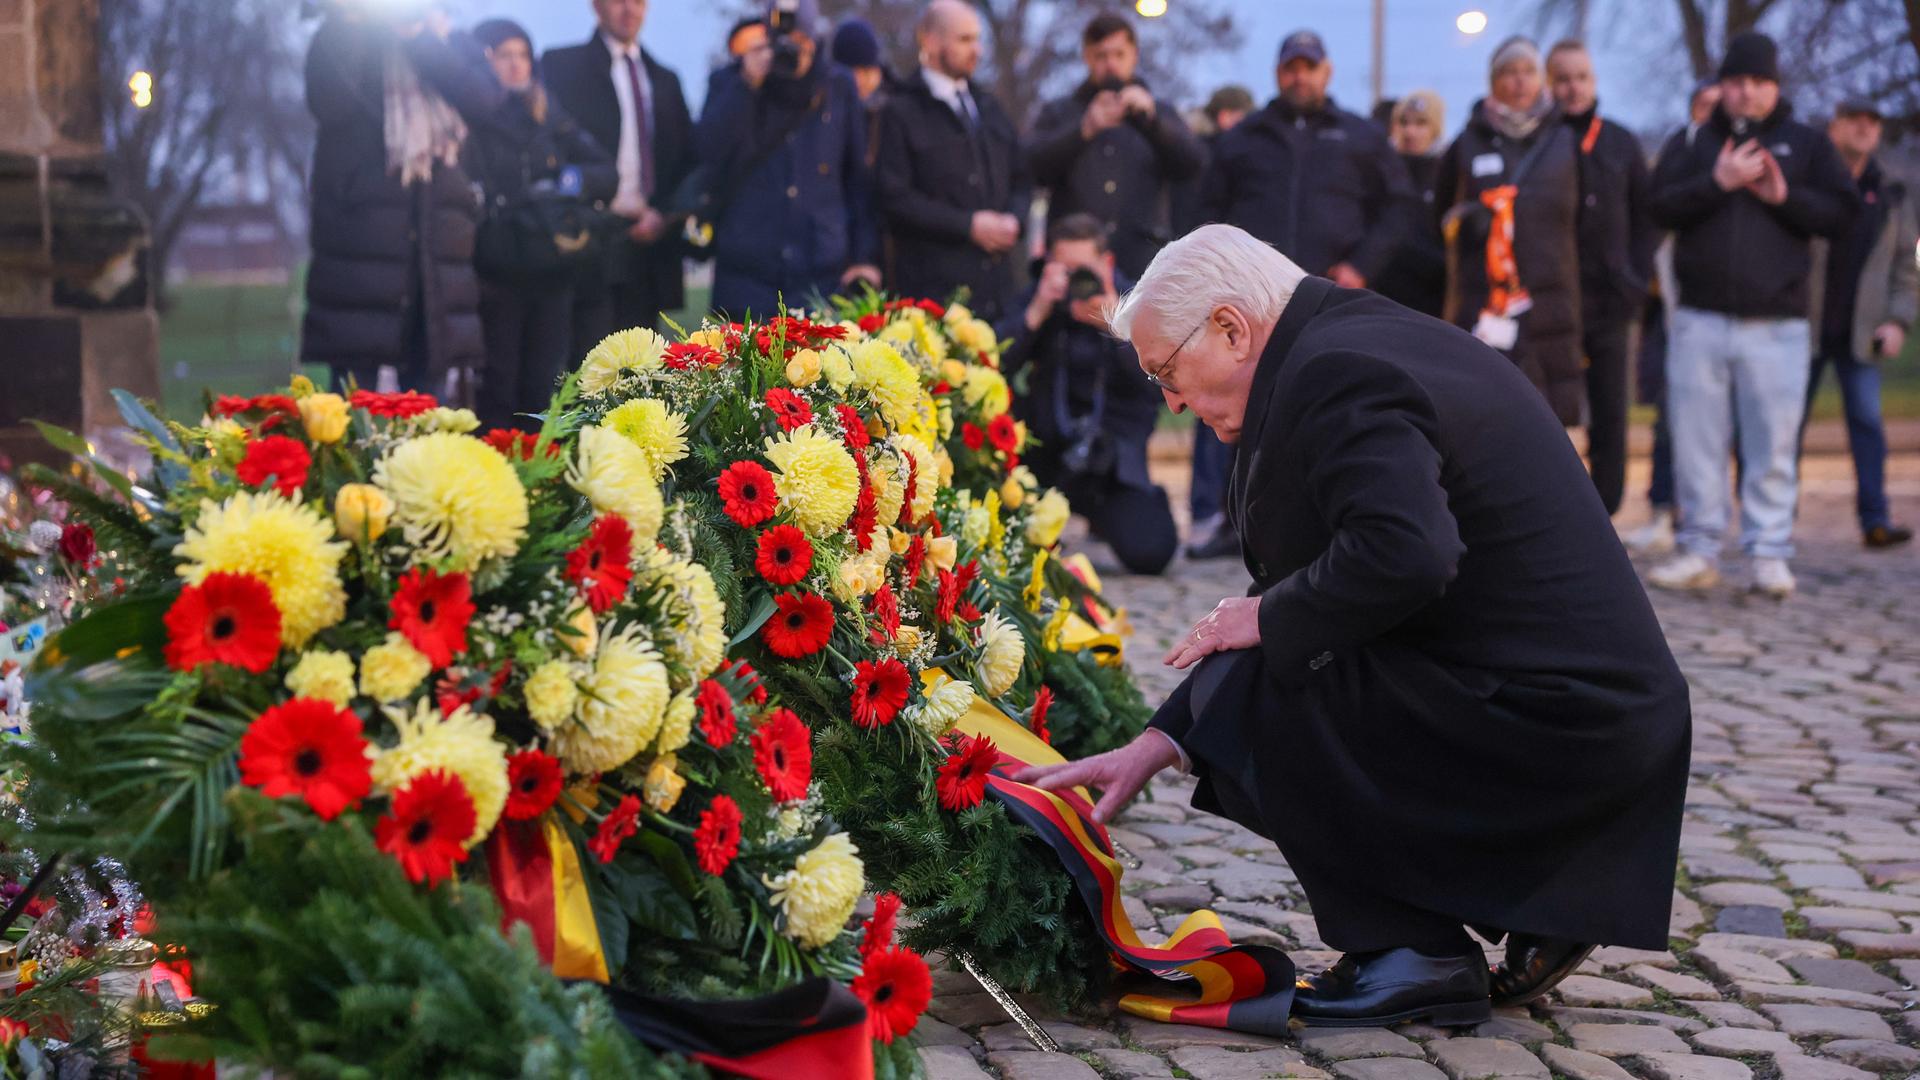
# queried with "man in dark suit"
point(953, 189)
point(633, 107)
point(1446, 698)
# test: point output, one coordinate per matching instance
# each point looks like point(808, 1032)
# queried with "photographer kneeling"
point(1087, 402)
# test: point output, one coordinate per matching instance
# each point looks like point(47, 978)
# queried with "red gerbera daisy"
point(623, 822)
point(716, 713)
point(427, 827)
point(789, 408)
point(533, 783)
point(279, 458)
point(432, 610)
point(403, 404)
point(884, 608)
point(717, 840)
point(879, 691)
point(967, 612)
point(751, 685)
point(854, 429)
point(866, 513)
point(747, 492)
point(967, 573)
point(896, 986)
point(971, 434)
point(871, 324)
point(77, 545)
point(879, 929)
point(226, 619)
point(913, 482)
point(783, 753)
point(513, 443)
point(312, 749)
point(916, 558)
point(1003, 434)
point(946, 596)
point(962, 780)
point(686, 354)
point(801, 624)
point(785, 555)
point(1037, 719)
point(603, 563)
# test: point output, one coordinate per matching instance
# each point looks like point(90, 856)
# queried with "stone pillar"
point(76, 310)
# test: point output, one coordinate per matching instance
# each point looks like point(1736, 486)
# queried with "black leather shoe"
point(1888, 536)
point(1389, 987)
point(1221, 543)
point(1534, 965)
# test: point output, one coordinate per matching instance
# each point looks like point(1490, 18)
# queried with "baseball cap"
point(1303, 45)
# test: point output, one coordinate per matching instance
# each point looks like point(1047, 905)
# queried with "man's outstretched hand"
point(1234, 623)
point(1117, 774)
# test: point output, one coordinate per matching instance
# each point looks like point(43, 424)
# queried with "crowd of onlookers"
point(1729, 271)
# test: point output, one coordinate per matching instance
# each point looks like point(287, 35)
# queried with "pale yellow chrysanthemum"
point(815, 477)
point(1049, 517)
point(455, 498)
point(1002, 652)
point(657, 430)
point(944, 705)
point(392, 670)
point(975, 526)
point(623, 352)
point(676, 728)
point(986, 390)
point(699, 640)
point(283, 543)
point(461, 744)
point(450, 421)
point(617, 478)
point(623, 702)
point(880, 370)
point(888, 476)
point(836, 364)
point(818, 894)
point(323, 674)
point(663, 785)
point(926, 473)
point(974, 336)
point(929, 342)
point(552, 693)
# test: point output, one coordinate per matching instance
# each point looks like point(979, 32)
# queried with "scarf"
point(1518, 123)
point(421, 127)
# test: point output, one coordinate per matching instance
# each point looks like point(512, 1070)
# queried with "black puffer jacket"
point(387, 256)
point(1733, 253)
point(511, 152)
point(1417, 276)
point(1545, 247)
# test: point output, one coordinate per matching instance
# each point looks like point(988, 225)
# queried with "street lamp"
point(1471, 22)
point(142, 86)
point(1150, 9)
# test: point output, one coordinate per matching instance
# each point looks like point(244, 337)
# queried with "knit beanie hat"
point(1751, 53)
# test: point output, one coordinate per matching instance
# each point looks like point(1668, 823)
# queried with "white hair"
point(1210, 266)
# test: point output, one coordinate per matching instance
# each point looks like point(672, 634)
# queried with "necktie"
point(640, 127)
point(968, 114)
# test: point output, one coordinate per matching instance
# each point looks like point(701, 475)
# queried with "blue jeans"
point(1739, 383)
point(1860, 398)
point(1212, 463)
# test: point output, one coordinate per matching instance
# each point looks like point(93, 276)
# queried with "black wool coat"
point(1461, 699)
point(933, 176)
point(387, 257)
point(1545, 246)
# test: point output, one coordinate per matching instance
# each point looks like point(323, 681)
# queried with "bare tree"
point(1033, 46)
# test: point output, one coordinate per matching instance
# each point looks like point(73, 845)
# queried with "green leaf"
point(61, 439)
point(137, 415)
point(754, 622)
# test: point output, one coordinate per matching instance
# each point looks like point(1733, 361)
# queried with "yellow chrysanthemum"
point(676, 729)
point(657, 430)
point(818, 894)
point(1002, 652)
point(451, 421)
point(392, 670)
point(944, 705)
point(623, 701)
point(986, 390)
point(880, 370)
point(624, 352)
point(461, 744)
point(283, 543)
point(455, 497)
point(974, 336)
point(975, 526)
point(1048, 518)
point(815, 477)
point(889, 478)
point(552, 694)
point(956, 314)
point(926, 471)
point(323, 674)
point(699, 641)
point(617, 478)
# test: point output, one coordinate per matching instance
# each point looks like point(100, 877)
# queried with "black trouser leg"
point(503, 319)
point(1608, 341)
point(1136, 522)
point(544, 337)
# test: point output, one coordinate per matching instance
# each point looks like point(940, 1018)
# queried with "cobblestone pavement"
point(1796, 925)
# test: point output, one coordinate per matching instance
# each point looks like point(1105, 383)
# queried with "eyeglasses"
point(1159, 378)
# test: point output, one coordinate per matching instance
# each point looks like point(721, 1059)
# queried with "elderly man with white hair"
point(1446, 698)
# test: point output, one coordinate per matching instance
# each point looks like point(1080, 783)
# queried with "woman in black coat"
point(530, 145)
point(1514, 143)
point(392, 281)
point(1417, 276)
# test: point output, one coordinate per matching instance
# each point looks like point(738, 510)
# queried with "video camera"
point(782, 23)
point(1084, 284)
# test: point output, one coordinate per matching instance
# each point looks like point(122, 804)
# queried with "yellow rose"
point(908, 639)
point(323, 674)
point(804, 368)
point(1049, 517)
point(837, 366)
point(663, 784)
point(954, 372)
point(361, 512)
point(943, 551)
point(325, 417)
point(975, 336)
point(1011, 493)
point(391, 671)
point(586, 639)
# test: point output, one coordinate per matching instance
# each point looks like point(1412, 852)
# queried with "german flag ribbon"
point(816, 1027)
point(1242, 987)
point(537, 879)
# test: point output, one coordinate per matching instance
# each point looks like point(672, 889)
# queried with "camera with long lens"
point(1084, 284)
point(782, 23)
